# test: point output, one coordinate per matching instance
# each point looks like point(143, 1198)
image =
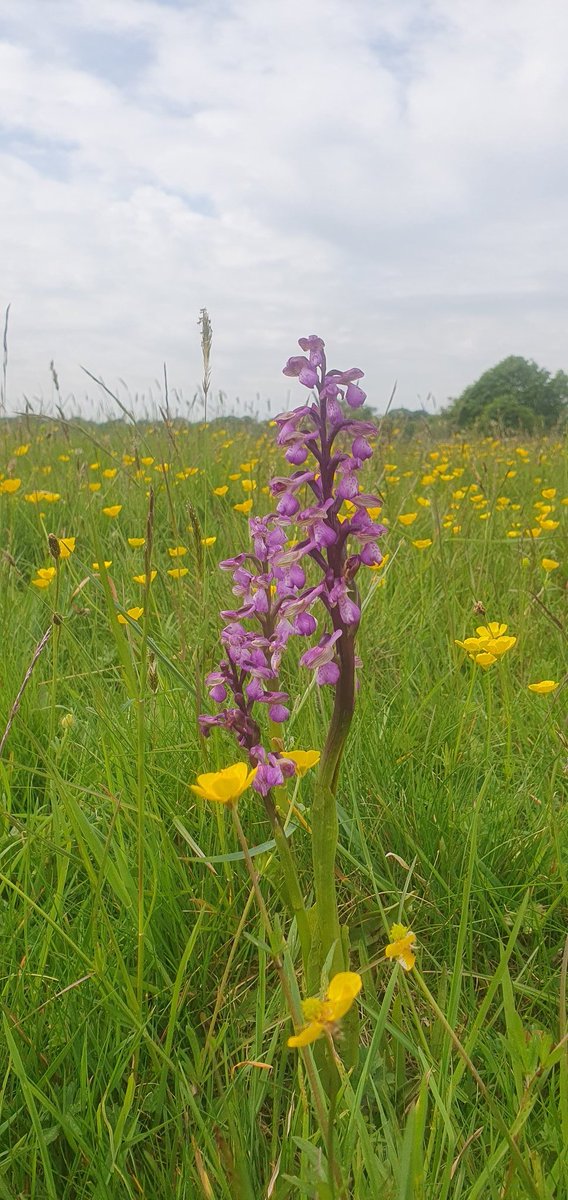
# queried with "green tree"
point(514, 385)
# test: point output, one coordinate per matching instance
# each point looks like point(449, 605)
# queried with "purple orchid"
point(275, 584)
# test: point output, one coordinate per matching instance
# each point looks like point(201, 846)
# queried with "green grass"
point(144, 1030)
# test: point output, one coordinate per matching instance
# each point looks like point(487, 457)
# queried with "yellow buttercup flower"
point(208, 541)
point(110, 472)
point(178, 572)
point(401, 946)
point(422, 543)
point(221, 491)
point(21, 450)
point(136, 542)
point(135, 613)
point(95, 487)
point(45, 575)
point(407, 518)
point(106, 565)
point(323, 1015)
point(42, 497)
point(177, 551)
point(549, 564)
point(489, 645)
point(112, 510)
point(66, 546)
point(245, 507)
point(226, 786)
point(544, 687)
point(145, 578)
point(9, 486)
point(302, 759)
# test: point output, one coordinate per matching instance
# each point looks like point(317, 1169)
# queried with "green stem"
point(291, 881)
point(508, 718)
point(325, 828)
point(488, 713)
point(465, 711)
point(54, 655)
point(293, 1006)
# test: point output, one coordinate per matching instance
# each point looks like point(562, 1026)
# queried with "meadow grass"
point(144, 1028)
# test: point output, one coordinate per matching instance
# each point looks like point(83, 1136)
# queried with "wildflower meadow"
point(283, 767)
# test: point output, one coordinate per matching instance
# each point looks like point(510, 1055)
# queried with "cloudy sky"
point(389, 174)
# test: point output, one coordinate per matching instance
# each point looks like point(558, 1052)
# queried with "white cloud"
point(392, 176)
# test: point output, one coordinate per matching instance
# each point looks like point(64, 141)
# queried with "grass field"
point(144, 1049)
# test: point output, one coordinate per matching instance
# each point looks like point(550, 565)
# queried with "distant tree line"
point(514, 396)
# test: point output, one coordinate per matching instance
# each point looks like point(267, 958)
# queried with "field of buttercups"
point(184, 1012)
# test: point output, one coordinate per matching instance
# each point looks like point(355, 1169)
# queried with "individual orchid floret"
point(272, 770)
point(321, 658)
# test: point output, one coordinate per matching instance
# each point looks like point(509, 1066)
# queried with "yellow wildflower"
point(177, 551)
point(178, 572)
point(245, 507)
point(489, 645)
point(136, 542)
point(208, 541)
point(145, 578)
point(401, 946)
point(21, 450)
point(9, 486)
point(112, 510)
point(323, 1015)
point(42, 497)
point(95, 487)
point(66, 546)
point(302, 759)
point(226, 786)
point(422, 543)
point(110, 472)
point(549, 564)
point(407, 518)
point(106, 565)
point(544, 687)
point(221, 491)
point(135, 613)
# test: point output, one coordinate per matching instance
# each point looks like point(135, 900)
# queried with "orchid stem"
point(293, 1005)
